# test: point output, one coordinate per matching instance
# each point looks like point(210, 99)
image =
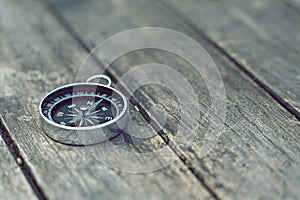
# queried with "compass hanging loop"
point(100, 76)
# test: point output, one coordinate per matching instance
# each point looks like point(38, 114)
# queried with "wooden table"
point(256, 46)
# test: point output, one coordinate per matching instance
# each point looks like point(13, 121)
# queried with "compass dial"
point(83, 111)
point(82, 106)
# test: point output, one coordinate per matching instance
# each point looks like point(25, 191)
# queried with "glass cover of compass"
point(83, 106)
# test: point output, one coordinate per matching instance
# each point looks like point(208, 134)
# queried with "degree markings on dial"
point(67, 95)
point(72, 105)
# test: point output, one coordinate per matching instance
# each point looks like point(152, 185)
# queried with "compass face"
point(80, 106)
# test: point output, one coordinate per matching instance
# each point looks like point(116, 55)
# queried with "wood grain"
point(13, 184)
point(262, 37)
point(260, 147)
point(39, 55)
point(295, 4)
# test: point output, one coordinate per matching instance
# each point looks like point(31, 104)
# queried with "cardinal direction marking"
point(60, 114)
point(104, 108)
point(108, 118)
point(72, 105)
point(89, 103)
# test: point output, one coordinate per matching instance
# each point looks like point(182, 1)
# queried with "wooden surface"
point(257, 156)
point(13, 184)
point(261, 37)
point(62, 171)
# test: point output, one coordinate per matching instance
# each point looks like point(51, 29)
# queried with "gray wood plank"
point(39, 55)
point(13, 184)
point(294, 4)
point(259, 150)
point(262, 36)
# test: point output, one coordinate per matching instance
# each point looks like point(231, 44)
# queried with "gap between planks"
point(15, 152)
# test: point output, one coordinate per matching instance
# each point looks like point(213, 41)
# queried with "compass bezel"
point(105, 124)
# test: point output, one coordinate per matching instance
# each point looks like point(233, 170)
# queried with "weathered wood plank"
point(255, 156)
point(294, 4)
point(39, 55)
point(262, 36)
point(13, 184)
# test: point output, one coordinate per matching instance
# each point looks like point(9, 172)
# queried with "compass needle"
point(74, 120)
point(92, 107)
point(95, 112)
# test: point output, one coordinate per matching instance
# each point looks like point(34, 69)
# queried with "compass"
point(84, 113)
